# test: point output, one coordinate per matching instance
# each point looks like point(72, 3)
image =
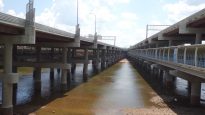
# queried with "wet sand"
point(108, 93)
point(119, 90)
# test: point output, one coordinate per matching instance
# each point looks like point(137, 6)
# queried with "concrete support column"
point(159, 74)
point(52, 79)
point(69, 76)
point(85, 67)
point(152, 70)
point(95, 61)
point(195, 93)
point(58, 70)
point(113, 57)
point(15, 86)
point(103, 59)
point(37, 72)
point(64, 79)
point(64, 71)
point(51, 73)
point(198, 38)
point(7, 88)
point(37, 79)
point(157, 45)
point(168, 80)
point(73, 68)
point(108, 58)
point(189, 88)
point(73, 65)
point(14, 70)
point(170, 43)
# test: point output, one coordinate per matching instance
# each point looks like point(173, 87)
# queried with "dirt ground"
point(166, 106)
point(80, 100)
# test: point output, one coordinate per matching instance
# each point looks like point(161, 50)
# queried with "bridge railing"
point(193, 55)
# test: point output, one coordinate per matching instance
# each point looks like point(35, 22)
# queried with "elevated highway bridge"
point(25, 43)
point(176, 51)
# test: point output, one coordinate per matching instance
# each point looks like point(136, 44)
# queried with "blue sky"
point(126, 19)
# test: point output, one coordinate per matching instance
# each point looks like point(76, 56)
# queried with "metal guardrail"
point(194, 55)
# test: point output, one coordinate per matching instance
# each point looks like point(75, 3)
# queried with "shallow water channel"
point(114, 89)
point(109, 92)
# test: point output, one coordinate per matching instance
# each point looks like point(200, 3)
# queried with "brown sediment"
point(164, 106)
point(79, 101)
point(83, 100)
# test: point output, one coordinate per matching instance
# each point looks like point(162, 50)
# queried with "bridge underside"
point(177, 51)
point(24, 43)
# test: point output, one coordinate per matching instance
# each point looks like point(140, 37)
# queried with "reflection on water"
point(181, 87)
point(25, 91)
point(109, 92)
point(127, 90)
point(122, 87)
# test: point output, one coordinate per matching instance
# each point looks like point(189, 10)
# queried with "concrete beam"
point(185, 75)
point(183, 29)
point(180, 38)
point(42, 65)
point(58, 45)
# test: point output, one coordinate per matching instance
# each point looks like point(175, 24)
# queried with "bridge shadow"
point(177, 103)
point(39, 100)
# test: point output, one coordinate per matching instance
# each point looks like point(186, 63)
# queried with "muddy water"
point(114, 89)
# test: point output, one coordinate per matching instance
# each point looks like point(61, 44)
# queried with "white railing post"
point(196, 57)
point(185, 55)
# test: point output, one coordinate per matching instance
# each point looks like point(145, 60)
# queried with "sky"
point(125, 19)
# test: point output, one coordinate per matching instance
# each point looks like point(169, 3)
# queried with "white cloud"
point(20, 15)
point(181, 9)
point(114, 2)
point(62, 14)
point(1, 5)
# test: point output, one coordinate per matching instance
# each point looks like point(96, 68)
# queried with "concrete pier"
point(85, 66)
point(103, 59)
point(95, 61)
point(52, 74)
point(168, 80)
point(45, 47)
point(73, 65)
point(198, 38)
point(73, 68)
point(64, 70)
point(37, 79)
point(195, 93)
point(7, 86)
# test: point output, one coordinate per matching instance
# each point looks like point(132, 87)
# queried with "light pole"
point(77, 12)
point(95, 24)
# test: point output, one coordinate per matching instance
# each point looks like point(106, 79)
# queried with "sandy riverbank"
point(89, 99)
point(165, 106)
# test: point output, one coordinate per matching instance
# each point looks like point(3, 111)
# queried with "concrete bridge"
point(25, 43)
point(176, 51)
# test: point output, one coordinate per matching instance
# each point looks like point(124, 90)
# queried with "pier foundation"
point(195, 93)
point(85, 66)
